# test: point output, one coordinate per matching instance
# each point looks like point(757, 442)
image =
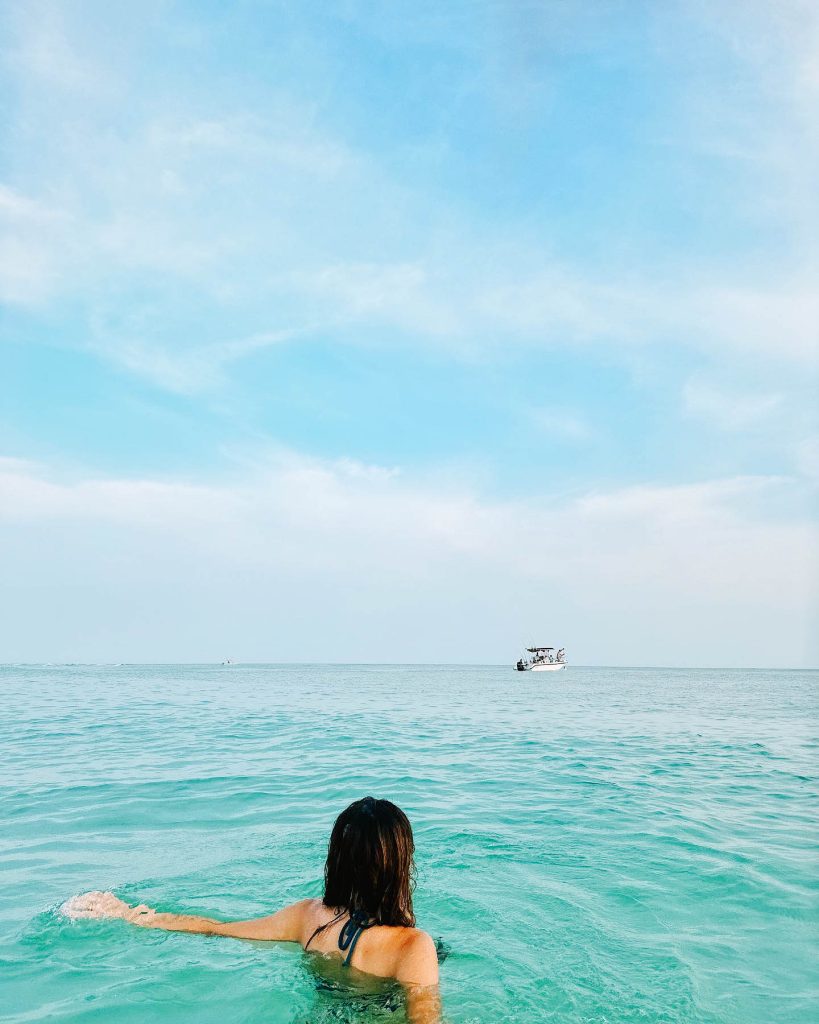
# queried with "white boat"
point(543, 659)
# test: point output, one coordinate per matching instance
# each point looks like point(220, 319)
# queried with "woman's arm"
point(418, 973)
point(283, 926)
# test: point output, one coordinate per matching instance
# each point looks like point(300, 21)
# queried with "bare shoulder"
point(309, 913)
point(290, 922)
point(417, 958)
point(417, 941)
point(309, 907)
point(301, 908)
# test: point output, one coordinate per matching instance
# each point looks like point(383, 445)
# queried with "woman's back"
point(386, 951)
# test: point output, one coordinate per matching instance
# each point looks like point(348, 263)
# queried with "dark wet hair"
point(370, 867)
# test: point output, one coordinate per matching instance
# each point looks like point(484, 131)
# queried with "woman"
point(365, 917)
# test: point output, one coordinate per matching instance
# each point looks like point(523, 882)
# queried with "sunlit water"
point(594, 845)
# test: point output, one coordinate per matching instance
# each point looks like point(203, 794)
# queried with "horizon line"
point(389, 664)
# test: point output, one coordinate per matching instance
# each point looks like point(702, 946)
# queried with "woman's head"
point(370, 862)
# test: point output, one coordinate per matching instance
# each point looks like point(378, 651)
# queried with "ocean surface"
point(595, 845)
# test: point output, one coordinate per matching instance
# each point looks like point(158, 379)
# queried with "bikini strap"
point(349, 935)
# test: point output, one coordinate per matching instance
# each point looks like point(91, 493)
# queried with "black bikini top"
point(350, 933)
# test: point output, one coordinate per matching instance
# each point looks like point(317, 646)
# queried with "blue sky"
point(362, 331)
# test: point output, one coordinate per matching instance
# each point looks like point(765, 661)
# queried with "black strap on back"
point(351, 932)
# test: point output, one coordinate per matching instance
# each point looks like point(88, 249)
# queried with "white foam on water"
point(86, 904)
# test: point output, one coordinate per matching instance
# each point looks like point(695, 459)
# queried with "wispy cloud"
point(728, 409)
point(195, 369)
point(807, 457)
point(560, 423)
point(269, 211)
point(29, 229)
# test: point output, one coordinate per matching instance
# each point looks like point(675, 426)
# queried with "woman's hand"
point(284, 926)
point(106, 904)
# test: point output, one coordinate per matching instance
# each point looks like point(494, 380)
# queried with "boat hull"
point(548, 668)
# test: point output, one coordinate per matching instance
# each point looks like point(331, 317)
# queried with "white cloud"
point(781, 323)
point(348, 555)
point(17, 207)
point(45, 51)
point(807, 457)
point(728, 409)
point(25, 467)
point(29, 229)
point(554, 421)
point(711, 502)
point(197, 368)
point(555, 300)
point(400, 294)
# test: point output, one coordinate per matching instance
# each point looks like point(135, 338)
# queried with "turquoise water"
point(600, 845)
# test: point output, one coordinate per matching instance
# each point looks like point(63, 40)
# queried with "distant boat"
point(543, 659)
